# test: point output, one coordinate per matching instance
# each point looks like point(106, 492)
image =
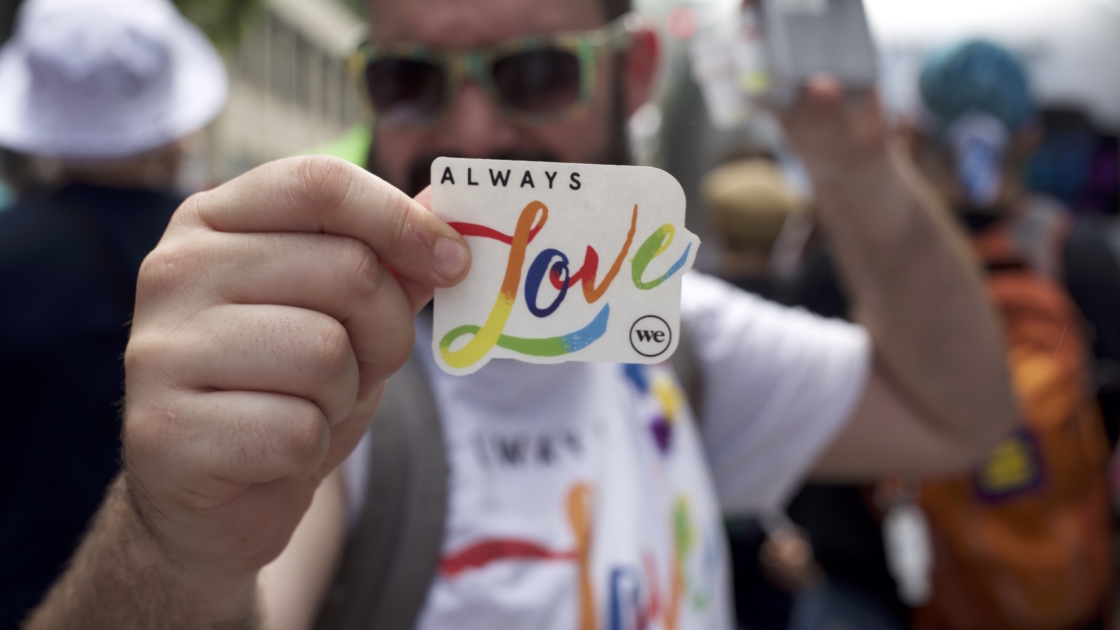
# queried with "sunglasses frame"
point(476, 64)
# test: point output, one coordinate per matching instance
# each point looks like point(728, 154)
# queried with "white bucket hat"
point(105, 78)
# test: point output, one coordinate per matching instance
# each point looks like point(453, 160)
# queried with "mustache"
point(420, 172)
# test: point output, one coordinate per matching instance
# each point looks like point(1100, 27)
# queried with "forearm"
point(918, 290)
point(121, 578)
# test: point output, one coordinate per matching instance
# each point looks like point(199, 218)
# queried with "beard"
point(419, 173)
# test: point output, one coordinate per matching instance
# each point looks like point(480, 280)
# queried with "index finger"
point(325, 194)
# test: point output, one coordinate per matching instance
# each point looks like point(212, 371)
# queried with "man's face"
point(473, 126)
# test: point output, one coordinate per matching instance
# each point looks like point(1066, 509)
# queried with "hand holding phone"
point(775, 48)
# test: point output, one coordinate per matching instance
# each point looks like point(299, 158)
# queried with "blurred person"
point(96, 95)
point(749, 202)
point(1024, 541)
point(1079, 164)
point(268, 321)
point(981, 169)
point(1077, 161)
point(752, 206)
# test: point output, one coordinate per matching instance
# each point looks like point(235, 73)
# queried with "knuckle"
point(191, 206)
point(167, 268)
point(140, 353)
point(148, 434)
point(155, 361)
point(328, 354)
point(401, 348)
point(246, 445)
point(323, 181)
point(307, 435)
point(361, 269)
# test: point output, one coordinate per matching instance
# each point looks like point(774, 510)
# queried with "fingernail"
point(450, 258)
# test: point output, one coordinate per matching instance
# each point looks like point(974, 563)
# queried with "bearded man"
point(268, 321)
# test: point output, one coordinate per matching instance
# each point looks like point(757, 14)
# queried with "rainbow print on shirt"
point(636, 599)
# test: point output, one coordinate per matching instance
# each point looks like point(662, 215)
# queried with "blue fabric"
point(63, 331)
point(976, 77)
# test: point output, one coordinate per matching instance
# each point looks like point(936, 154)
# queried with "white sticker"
point(570, 262)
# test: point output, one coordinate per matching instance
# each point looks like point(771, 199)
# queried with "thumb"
point(420, 294)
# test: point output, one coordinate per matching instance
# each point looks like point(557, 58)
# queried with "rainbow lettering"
point(530, 222)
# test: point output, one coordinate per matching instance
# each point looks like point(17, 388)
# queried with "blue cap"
point(975, 77)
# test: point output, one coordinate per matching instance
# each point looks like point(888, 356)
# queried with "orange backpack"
point(1024, 541)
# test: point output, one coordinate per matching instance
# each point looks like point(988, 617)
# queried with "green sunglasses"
point(532, 79)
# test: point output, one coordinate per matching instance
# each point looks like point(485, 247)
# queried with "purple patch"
point(662, 433)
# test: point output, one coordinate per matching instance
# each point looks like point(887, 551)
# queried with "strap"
point(392, 555)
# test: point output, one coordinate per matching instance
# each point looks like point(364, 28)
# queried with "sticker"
point(1014, 467)
point(570, 262)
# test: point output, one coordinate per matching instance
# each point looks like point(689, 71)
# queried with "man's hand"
point(266, 322)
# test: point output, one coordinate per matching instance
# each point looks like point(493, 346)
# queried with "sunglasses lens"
point(538, 82)
point(405, 90)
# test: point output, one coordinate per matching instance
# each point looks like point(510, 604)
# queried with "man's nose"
point(475, 126)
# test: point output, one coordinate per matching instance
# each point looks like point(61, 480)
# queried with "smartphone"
point(808, 37)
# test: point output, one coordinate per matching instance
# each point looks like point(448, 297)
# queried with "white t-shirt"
point(584, 497)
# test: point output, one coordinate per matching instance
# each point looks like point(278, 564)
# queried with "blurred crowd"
point(99, 100)
point(936, 552)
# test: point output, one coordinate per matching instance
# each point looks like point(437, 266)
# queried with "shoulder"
point(709, 305)
point(701, 293)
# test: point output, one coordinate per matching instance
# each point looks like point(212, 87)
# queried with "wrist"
point(216, 587)
point(864, 171)
point(122, 577)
